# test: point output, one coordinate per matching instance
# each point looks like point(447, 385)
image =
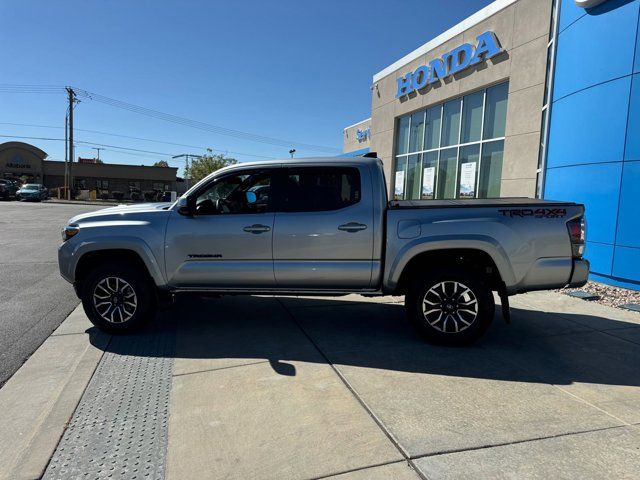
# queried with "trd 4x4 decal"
point(534, 212)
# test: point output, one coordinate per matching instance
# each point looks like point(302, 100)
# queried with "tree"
point(161, 163)
point(206, 164)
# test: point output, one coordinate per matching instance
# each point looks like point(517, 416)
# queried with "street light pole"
point(98, 149)
point(187, 157)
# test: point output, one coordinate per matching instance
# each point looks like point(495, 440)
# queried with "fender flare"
point(133, 244)
point(481, 243)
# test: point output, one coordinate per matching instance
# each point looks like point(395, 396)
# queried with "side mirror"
point(186, 206)
point(251, 197)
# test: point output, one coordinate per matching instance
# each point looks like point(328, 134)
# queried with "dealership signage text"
point(457, 60)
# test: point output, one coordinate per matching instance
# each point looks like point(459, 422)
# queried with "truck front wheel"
point(118, 298)
point(451, 307)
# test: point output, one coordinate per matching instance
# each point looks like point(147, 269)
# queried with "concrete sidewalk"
point(301, 388)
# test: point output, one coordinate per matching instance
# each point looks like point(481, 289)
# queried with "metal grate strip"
point(119, 429)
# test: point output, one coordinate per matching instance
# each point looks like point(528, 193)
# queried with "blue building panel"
point(597, 186)
point(626, 264)
point(569, 13)
point(636, 65)
point(592, 51)
point(628, 213)
point(593, 154)
point(632, 149)
point(600, 256)
point(589, 126)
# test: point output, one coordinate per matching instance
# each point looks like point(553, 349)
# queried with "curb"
point(38, 401)
point(84, 202)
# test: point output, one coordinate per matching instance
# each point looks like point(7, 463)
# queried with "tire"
point(460, 314)
point(130, 289)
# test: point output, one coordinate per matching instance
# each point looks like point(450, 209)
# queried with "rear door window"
point(316, 189)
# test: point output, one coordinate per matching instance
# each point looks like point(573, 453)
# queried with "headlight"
point(69, 231)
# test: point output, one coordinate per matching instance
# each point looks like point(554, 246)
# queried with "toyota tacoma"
point(323, 227)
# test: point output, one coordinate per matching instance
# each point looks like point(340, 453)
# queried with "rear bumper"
point(579, 274)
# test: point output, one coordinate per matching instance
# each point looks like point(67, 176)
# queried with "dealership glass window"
point(413, 176)
point(416, 133)
point(495, 112)
point(433, 123)
point(399, 178)
point(402, 144)
point(447, 173)
point(491, 171)
point(468, 171)
point(461, 155)
point(429, 168)
point(451, 124)
point(472, 117)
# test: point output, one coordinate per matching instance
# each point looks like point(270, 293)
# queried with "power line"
point(138, 138)
point(82, 142)
point(15, 88)
point(44, 89)
point(200, 125)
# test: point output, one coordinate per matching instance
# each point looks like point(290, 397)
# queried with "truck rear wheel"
point(118, 298)
point(451, 307)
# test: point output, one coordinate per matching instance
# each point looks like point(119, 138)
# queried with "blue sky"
point(292, 70)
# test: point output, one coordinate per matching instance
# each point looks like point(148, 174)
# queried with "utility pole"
point(72, 97)
point(66, 153)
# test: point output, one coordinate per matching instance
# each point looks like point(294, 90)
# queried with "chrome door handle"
point(256, 228)
point(352, 227)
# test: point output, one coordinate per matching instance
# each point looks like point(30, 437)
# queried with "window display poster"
point(468, 179)
point(428, 180)
point(399, 188)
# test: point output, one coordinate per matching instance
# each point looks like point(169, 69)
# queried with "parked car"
point(8, 189)
point(318, 227)
point(32, 191)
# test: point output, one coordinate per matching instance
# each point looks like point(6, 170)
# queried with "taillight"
point(577, 233)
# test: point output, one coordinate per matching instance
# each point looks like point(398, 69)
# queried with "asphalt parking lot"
point(33, 297)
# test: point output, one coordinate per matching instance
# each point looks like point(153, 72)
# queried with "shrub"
point(135, 196)
point(117, 195)
point(104, 195)
point(149, 195)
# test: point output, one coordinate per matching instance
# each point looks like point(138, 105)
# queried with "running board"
point(254, 291)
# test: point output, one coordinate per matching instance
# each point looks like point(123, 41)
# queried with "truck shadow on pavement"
point(539, 347)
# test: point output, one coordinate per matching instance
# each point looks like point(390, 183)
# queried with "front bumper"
point(65, 262)
point(579, 274)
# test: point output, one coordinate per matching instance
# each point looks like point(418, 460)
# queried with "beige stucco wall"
point(18, 159)
point(112, 170)
point(522, 29)
point(350, 139)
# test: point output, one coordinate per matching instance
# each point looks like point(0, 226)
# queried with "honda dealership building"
point(523, 98)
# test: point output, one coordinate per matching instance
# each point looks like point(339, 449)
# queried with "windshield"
point(31, 186)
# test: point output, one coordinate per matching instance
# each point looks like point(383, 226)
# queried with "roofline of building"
point(108, 164)
point(466, 24)
point(26, 146)
point(358, 123)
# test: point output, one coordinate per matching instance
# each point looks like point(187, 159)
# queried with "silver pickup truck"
point(317, 227)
